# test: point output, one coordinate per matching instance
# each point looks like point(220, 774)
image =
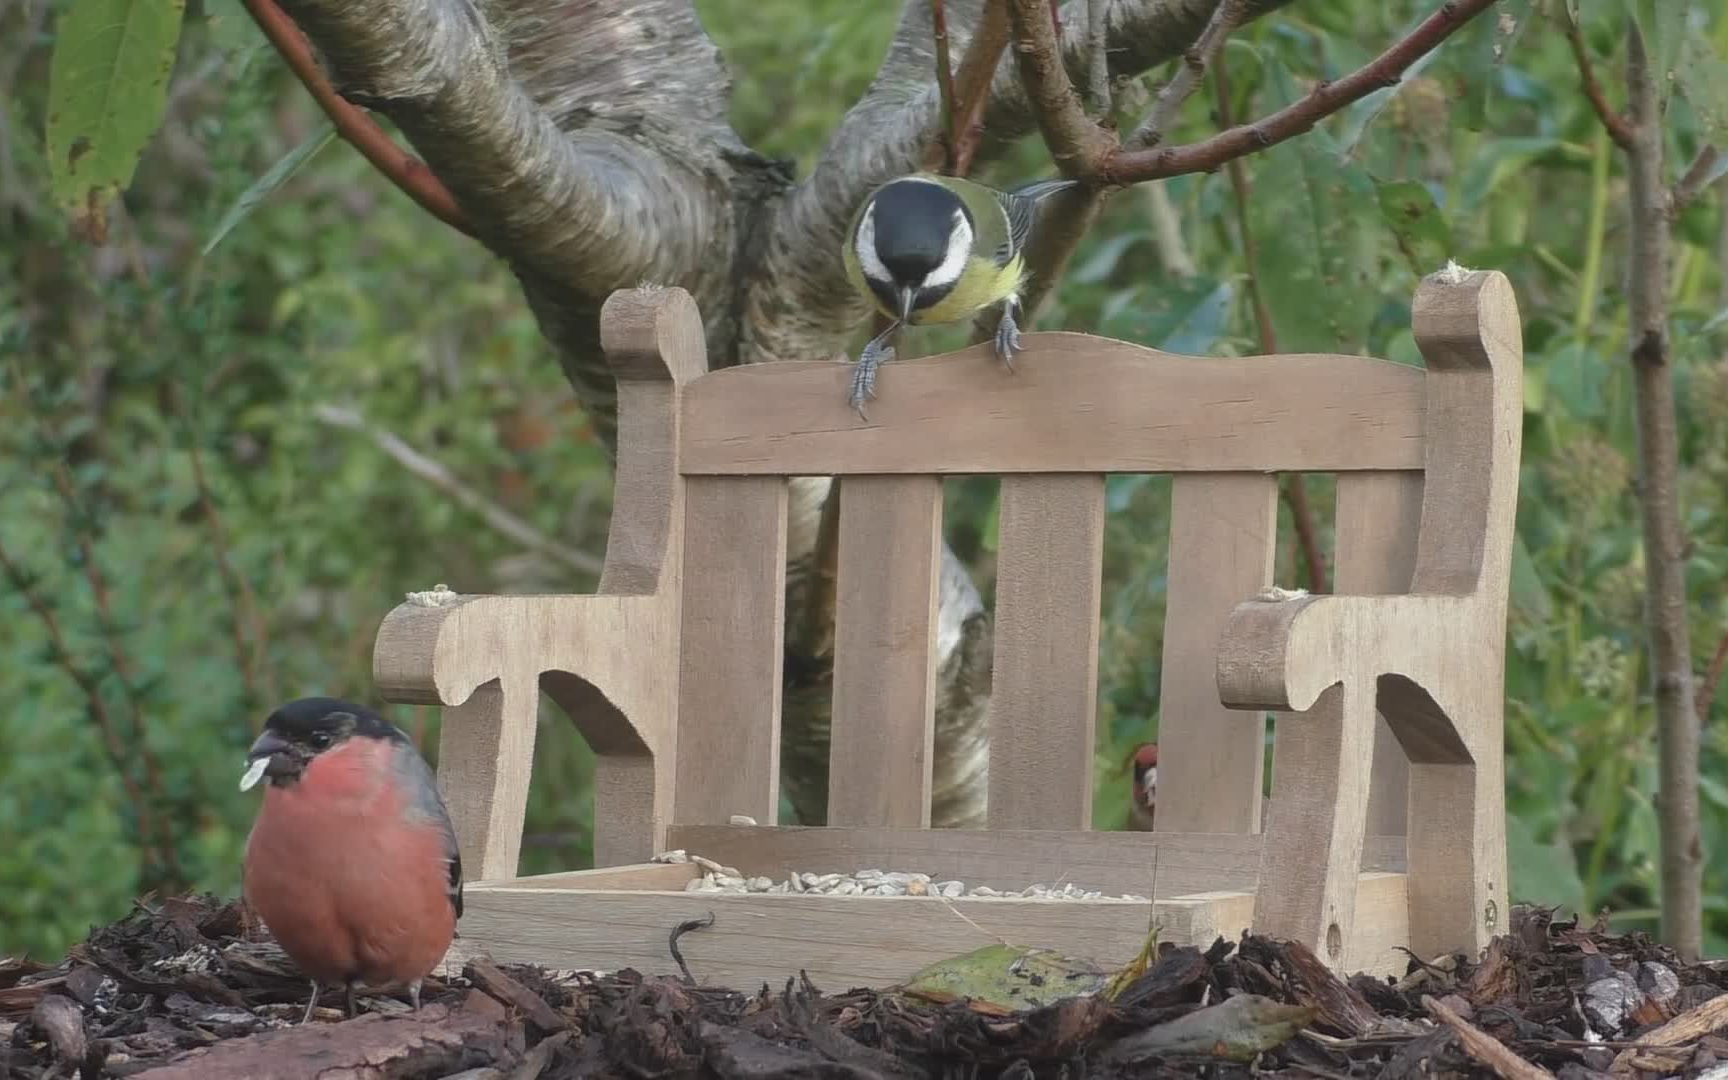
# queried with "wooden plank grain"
point(1115, 863)
point(1377, 523)
point(1072, 403)
point(730, 656)
point(884, 716)
point(1211, 760)
point(1044, 695)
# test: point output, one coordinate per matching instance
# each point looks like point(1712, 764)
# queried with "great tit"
point(938, 249)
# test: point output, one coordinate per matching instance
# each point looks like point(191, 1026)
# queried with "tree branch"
point(1618, 129)
point(1224, 21)
point(434, 473)
point(1075, 141)
point(355, 127)
point(1704, 171)
point(1136, 166)
point(1295, 485)
point(944, 76)
point(972, 85)
point(1713, 673)
point(1667, 626)
point(1098, 61)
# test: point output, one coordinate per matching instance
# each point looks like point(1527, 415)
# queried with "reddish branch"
point(972, 84)
point(944, 72)
point(1618, 128)
point(1295, 486)
point(1123, 167)
point(1075, 140)
point(357, 128)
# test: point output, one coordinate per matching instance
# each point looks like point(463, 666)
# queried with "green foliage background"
point(204, 545)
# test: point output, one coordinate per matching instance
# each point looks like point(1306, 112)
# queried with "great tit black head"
point(913, 242)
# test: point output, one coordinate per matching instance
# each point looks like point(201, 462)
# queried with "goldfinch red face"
point(912, 244)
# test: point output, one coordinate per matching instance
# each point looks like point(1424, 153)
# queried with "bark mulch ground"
point(179, 989)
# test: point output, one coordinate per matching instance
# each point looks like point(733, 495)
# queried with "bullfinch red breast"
point(352, 863)
point(1145, 798)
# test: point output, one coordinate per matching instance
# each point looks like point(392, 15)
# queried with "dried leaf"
point(1236, 1030)
point(1006, 978)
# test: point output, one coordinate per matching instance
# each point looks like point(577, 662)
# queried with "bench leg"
point(1312, 858)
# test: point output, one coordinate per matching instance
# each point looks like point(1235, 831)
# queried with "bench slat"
point(730, 660)
point(1044, 697)
point(884, 717)
point(1223, 537)
point(1073, 403)
point(1377, 520)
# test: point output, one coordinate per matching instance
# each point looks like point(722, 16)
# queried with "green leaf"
point(269, 182)
point(1529, 595)
point(1541, 873)
point(1006, 977)
point(1317, 225)
point(1498, 160)
point(107, 88)
point(1703, 79)
point(1422, 231)
point(1574, 375)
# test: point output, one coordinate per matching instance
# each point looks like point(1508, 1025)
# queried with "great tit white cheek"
point(254, 773)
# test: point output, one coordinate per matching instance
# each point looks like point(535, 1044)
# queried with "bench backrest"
point(1074, 409)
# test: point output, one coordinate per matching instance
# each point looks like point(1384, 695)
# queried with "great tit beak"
point(906, 297)
point(263, 754)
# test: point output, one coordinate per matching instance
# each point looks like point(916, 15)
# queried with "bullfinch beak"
point(352, 862)
point(262, 756)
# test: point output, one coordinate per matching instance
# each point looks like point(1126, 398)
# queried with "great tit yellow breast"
point(981, 284)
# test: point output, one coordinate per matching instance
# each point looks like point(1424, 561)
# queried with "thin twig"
point(1134, 166)
point(1295, 486)
point(1618, 128)
point(1077, 143)
point(972, 84)
point(440, 477)
point(1696, 178)
point(944, 72)
point(110, 631)
point(1226, 17)
point(1098, 60)
point(150, 836)
point(357, 128)
point(240, 594)
point(1167, 232)
point(1712, 679)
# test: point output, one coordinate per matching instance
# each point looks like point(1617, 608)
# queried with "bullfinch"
point(1145, 798)
point(352, 862)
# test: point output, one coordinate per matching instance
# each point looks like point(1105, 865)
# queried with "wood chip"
point(1485, 1047)
point(1690, 1025)
point(485, 974)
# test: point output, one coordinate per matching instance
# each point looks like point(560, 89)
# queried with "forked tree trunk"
point(587, 143)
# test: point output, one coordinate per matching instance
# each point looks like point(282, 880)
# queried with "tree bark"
point(1658, 483)
point(586, 144)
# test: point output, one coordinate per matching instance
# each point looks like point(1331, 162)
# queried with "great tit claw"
point(864, 375)
point(1007, 337)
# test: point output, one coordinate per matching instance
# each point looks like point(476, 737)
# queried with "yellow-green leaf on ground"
point(1006, 978)
point(1235, 1029)
point(107, 88)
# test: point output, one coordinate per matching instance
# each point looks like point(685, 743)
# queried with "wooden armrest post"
point(609, 661)
point(1432, 661)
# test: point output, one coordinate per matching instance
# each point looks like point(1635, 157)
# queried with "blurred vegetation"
point(189, 538)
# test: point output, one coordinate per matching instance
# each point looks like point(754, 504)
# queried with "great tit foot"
point(1007, 337)
point(864, 374)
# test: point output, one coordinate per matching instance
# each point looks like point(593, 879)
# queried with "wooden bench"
point(672, 673)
